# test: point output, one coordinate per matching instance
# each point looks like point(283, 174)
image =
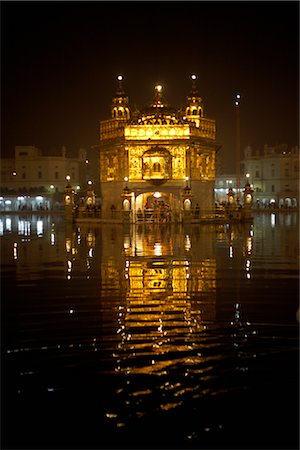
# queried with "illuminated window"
point(156, 167)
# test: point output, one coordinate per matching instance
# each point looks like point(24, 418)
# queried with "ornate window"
point(157, 165)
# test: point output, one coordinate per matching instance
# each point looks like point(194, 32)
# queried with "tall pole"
point(238, 146)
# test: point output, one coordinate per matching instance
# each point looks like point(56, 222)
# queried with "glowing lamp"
point(120, 78)
point(194, 77)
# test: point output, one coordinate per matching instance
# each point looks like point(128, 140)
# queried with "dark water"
point(155, 337)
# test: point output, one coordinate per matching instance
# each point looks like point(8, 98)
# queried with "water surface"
point(150, 336)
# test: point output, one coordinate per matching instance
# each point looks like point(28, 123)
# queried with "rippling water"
point(150, 336)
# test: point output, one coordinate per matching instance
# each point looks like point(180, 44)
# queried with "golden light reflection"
point(167, 295)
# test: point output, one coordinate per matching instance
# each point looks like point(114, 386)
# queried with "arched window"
point(126, 205)
point(156, 167)
point(187, 204)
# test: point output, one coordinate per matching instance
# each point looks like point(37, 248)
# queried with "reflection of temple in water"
point(170, 292)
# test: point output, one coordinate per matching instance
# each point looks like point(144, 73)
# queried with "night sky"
point(60, 61)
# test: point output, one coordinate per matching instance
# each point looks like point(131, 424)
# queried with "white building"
point(32, 180)
point(274, 174)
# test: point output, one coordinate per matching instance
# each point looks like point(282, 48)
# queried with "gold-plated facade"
point(160, 147)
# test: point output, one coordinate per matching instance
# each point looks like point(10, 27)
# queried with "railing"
point(207, 129)
point(110, 129)
point(150, 215)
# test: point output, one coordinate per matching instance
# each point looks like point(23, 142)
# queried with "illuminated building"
point(274, 173)
point(35, 180)
point(158, 155)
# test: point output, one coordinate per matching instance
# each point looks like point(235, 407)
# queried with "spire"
point(158, 100)
point(120, 104)
point(194, 90)
point(194, 106)
point(120, 91)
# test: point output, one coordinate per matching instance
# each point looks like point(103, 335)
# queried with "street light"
point(238, 145)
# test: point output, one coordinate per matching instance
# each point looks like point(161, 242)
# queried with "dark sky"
point(60, 60)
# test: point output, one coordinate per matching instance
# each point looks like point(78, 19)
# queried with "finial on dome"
point(120, 90)
point(158, 102)
point(194, 78)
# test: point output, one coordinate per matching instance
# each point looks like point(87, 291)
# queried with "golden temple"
point(157, 158)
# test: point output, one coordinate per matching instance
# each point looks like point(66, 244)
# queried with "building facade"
point(157, 156)
point(274, 174)
point(32, 180)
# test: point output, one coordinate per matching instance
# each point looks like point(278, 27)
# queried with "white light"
point(77, 187)
point(8, 224)
point(126, 179)
point(158, 87)
point(157, 249)
point(21, 198)
point(51, 186)
point(238, 96)
point(194, 77)
point(120, 78)
point(14, 174)
point(68, 177)
point(90, 182)
point(157, 195)
point(39, 198)
point(273, 220)
point(248, 175)
point(8, 202)
point(15, 250)
point(186, 178)
point(39, 228)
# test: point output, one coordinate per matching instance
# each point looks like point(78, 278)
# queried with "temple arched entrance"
point(155, 206)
